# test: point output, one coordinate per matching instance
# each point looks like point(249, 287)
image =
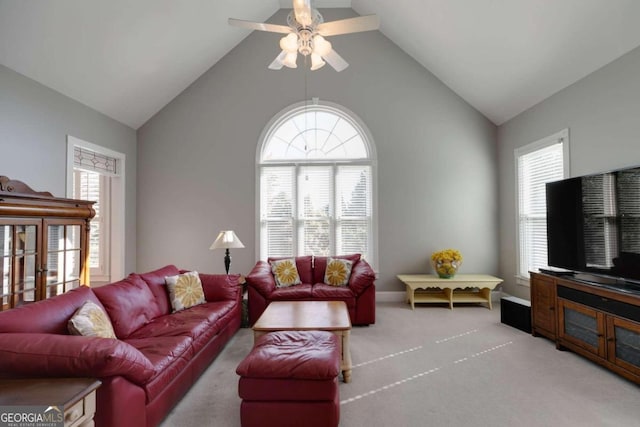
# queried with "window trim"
point(561, 136)
point(117, 202)
point(287, 113)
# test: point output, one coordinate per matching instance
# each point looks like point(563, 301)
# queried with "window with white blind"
point(537, 163)
point(90, 185)
point(316, 184)
point(97, 174)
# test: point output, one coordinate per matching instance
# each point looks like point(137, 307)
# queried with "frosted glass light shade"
point(290, 60)
point(289, 43)
point(316, 62)
point(321, 46)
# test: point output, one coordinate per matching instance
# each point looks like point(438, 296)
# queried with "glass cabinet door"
point(623, 337)
point(582, 326)
point(19, 256)
point(64, 258)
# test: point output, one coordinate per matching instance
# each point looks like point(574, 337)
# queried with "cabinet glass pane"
point(25, 297)
point(5, 271)
point(55, 254)
point(5, 240)
point(73, 237)
point(54, 290)
point(627, 345)
point(581, 326)
point(25, 239)
point(55, 238)
point(30, 235)
point(25, 272)
point(54, 276)
point(72, 265)
point(71, 285)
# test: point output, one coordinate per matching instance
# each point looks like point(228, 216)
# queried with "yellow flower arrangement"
point(446, 262)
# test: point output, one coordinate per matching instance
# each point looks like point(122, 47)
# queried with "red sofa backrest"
point(155, 280)
point(320, 265)
point(48, 316)
point(130, 304)
point(303, 264)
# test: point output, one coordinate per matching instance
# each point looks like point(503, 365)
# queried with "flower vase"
point(446, 269)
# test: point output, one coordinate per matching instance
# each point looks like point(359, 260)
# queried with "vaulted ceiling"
point(129, 58)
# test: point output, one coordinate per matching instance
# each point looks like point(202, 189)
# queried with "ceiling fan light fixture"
point(290, 59)
point(289, 43)
point(321, 46)
point(304, 35)
point(316, 62)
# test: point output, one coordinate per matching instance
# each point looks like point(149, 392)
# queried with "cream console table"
point(429, 288)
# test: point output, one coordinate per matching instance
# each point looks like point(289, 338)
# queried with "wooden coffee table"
point(329, 316)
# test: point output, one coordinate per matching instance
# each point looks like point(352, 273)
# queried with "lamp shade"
point(227, 239)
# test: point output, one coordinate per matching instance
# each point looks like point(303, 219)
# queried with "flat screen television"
point(593, 225)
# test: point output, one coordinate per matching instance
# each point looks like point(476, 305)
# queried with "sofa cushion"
point(304, 264)
point(90, 320)
point(337, 272)
point(47, 316)
point(299, 292)
point(320, 265)
point(313, 355)
point(129, 304)
point(169, 355)
point(285, 272)
point(324, 292)
point(185, 290)
point(155, 281)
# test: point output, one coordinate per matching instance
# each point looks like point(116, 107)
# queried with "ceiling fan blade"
point(261, 26)
point(277, 63)
point(302, 11)
point(335, 60)
point(350, 25)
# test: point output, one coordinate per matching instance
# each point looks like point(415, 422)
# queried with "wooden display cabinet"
point(43, 244)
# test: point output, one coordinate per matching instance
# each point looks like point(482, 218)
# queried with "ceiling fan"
point(306, 32)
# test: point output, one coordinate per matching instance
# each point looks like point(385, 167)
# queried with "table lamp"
point(227, 239)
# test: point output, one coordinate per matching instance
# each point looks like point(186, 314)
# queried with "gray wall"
point(602, 114)
point(437, 178)
point(34, 124)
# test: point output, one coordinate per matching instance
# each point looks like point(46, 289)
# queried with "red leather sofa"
point(158, 354)
point(359, 294)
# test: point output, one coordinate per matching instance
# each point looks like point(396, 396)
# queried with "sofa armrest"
point(261, 279)
point(221, 287)
point(362, 276)
point(52, 355)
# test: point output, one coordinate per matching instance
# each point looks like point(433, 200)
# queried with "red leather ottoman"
point(291, 379)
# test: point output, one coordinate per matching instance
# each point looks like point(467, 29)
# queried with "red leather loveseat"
point(155, 359)
point(359, 294)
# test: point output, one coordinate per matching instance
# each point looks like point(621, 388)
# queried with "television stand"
point(599, 322)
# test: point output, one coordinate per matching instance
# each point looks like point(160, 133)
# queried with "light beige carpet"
point(440, 367)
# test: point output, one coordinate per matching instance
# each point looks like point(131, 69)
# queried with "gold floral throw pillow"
point(185, 290)
point(90, 321)
point(285, 272)
point(338, 272)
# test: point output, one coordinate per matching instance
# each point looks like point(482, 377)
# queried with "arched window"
point(316, 181)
